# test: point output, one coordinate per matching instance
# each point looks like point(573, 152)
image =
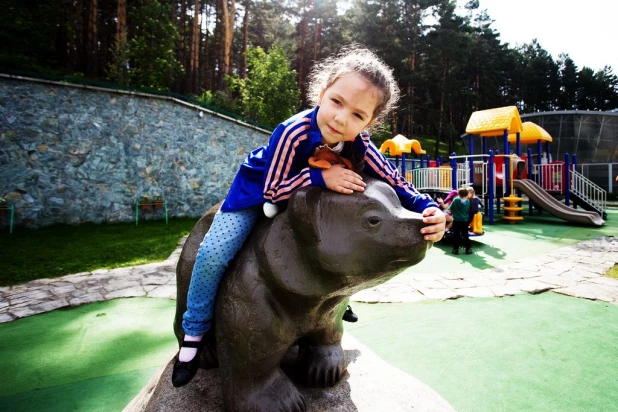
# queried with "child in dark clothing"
point(459, 208)
point(475, 204)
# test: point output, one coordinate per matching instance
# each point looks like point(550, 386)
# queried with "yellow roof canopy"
point(530, 133)
point(400, 144)
point(493, 122)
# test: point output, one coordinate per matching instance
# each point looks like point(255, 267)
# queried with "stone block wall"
point(73, 154)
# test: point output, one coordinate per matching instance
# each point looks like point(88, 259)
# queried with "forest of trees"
point(253, 56)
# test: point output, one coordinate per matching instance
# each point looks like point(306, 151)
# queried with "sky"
point(585, 30)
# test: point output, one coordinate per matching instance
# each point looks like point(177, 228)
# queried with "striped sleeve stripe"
point(386, 170)
point(285, 191)
point(282, 159)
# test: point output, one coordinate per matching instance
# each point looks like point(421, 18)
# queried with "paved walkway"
point(572, 270)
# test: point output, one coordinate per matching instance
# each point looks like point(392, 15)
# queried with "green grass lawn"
point(55, 251)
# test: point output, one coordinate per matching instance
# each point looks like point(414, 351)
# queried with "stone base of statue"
point(369, 385)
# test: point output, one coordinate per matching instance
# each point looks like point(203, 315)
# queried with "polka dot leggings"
point(227, 234)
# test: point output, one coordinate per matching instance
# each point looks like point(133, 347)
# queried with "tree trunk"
point(228, 14)
point(121, 25)
point(206, 62)
point(316, 39)
point(301, 54)
point(195, 50)
point(245, 40)
point(441, 114)
point(181, 84)
point(92, 44)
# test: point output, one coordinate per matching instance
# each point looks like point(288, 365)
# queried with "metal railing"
point(602, 174)
point(549, 177)
point(588, 191)
point(480, 177)
point(432, 178)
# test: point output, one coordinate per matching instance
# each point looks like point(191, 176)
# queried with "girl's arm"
point(284, 148)
point(378, 166)
point(434, 219)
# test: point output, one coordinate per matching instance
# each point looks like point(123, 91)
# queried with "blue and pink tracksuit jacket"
point(273, 172)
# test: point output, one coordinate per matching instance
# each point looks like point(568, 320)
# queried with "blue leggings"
point(226, 235)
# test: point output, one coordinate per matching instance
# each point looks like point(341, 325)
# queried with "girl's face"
point(346, 108)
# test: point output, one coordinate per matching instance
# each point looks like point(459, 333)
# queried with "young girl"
point(351, 91)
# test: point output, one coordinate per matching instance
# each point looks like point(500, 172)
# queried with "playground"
point(525, 323)
point(502, 179)
point(535, 351)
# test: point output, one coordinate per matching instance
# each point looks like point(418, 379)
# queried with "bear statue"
point(290, 284)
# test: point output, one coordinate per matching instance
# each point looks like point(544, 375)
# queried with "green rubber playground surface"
point(95, 357)
point(542, 352)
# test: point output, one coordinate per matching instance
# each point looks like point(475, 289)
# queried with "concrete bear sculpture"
point(290, 285)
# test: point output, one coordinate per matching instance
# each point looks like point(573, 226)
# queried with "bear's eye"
point(374, 221)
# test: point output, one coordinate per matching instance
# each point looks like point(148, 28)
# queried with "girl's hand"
point(436, 219)
point(341, 180)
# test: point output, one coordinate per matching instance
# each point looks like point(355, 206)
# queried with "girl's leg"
point(226, 235)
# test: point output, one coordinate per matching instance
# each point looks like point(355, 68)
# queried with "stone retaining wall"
point(73, 154)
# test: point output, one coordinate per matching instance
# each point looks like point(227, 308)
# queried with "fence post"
point(530, 205)
point(506, 179)
point(471, 160)
point(453, 171)
point(490, 203)
point(403, 165)
point(567, 180)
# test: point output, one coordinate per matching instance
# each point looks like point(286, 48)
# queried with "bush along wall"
point(73, 154)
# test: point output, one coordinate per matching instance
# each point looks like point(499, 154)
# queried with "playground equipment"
point(553, 177)
point(496, 176)
point(398, 146)
point(512, 208)
point(426, 175)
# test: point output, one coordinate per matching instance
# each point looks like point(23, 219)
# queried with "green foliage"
point(221, 100)
point(61, 250)
point(28, 33)
point(117, 70)
point(269, 94)
point(151, 50)
point(449, 61)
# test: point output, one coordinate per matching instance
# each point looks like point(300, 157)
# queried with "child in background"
point(475, 205)
point(351, 92)
point(444, 205)
point(460, 207)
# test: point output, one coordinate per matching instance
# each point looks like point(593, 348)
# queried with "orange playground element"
point(399, 145)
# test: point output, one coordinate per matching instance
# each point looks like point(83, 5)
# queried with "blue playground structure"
point(502, 179)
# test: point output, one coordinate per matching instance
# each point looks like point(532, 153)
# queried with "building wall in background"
point(592, 136)
point(73, 154)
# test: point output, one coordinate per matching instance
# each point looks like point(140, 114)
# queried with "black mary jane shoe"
point(183, 372)
point(349, 316)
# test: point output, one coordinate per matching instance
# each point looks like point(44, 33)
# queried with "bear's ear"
point(304, 211)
